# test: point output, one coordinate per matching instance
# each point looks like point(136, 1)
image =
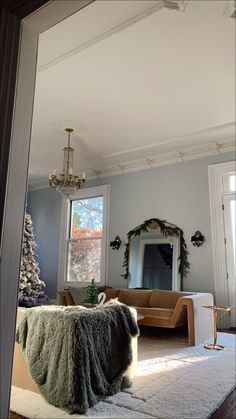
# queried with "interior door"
point(229, 202)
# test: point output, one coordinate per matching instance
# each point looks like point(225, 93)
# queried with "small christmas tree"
point(30, 286)
point(92, 293)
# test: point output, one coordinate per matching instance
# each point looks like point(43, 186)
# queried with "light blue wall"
point(178, 193)
point(44, 206)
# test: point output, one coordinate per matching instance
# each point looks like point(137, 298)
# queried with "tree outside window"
point(85, 240)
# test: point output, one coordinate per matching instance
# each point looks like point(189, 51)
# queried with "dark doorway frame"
point(21, 22)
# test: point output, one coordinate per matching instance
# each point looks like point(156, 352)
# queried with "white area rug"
point(172, 381)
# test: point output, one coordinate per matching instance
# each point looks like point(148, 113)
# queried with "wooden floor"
point(16, 416)
point(227, 409)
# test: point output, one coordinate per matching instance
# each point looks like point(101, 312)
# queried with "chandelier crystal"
point(67, 183)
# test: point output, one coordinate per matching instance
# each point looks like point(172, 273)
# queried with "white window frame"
point(103, 190)
point(216, 174)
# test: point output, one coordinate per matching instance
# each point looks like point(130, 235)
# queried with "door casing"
point(21, 25)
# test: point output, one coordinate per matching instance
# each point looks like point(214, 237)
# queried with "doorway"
point(229, 224)
point(22, 27)
point(222, 205)
point(157, 266)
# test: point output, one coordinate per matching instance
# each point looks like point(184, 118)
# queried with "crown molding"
point(179, 5)
point(206, 132)
point(178, 156)
point(230, 10)
point(164, 159)
point(176, 5)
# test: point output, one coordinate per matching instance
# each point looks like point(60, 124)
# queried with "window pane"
point(229, 182)
point(84, 260)
point(87, 217)
point(232, 215)
point(232, 183)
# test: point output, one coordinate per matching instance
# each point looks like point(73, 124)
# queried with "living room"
point(148, 94)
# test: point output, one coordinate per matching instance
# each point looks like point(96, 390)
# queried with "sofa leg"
point(191, 333)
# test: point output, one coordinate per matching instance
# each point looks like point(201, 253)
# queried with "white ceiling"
point(140, 84)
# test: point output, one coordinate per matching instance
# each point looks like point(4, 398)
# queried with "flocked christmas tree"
point(31, 288)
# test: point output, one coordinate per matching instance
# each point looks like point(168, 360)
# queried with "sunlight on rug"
point(172, 381)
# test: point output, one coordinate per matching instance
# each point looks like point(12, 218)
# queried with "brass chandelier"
point(67, 183)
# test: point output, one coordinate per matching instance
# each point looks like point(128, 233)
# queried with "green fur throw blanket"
point(77, 356)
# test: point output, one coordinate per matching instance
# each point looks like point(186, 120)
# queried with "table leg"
point(215, 327)
point(214, 345)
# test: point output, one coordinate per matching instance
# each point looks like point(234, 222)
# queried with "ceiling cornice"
point(209, 131)
point(177, 156)
point(179, 6)
point(230, 9)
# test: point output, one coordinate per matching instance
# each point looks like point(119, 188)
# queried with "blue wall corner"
point(44, 206)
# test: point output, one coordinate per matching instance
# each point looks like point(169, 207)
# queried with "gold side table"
point(215, 345)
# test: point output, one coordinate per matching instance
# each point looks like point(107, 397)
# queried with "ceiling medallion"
point(58, 126)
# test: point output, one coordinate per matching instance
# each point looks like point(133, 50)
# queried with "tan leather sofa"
point(170, 309)
point(22, 378)
point(159, 308)
point(163, 308)
point(20, 374)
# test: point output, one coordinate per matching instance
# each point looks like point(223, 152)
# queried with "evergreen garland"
point(166, 229)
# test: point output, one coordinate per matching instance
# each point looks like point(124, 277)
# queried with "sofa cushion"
point(134, 297)
point(166, 299)
point(79, 295)
point(111, 293)
point(155, 313)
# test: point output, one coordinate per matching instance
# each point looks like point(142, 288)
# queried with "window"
point(84, 238)
point(222, 205)
point(85, 241)
point(229, 182)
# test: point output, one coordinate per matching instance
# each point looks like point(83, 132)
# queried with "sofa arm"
point(203, 321)
point(20, 375)
point(65, 298)
point(130, 372)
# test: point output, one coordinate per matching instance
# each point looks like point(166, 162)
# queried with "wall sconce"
point(197, 239)
point(116, 243)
